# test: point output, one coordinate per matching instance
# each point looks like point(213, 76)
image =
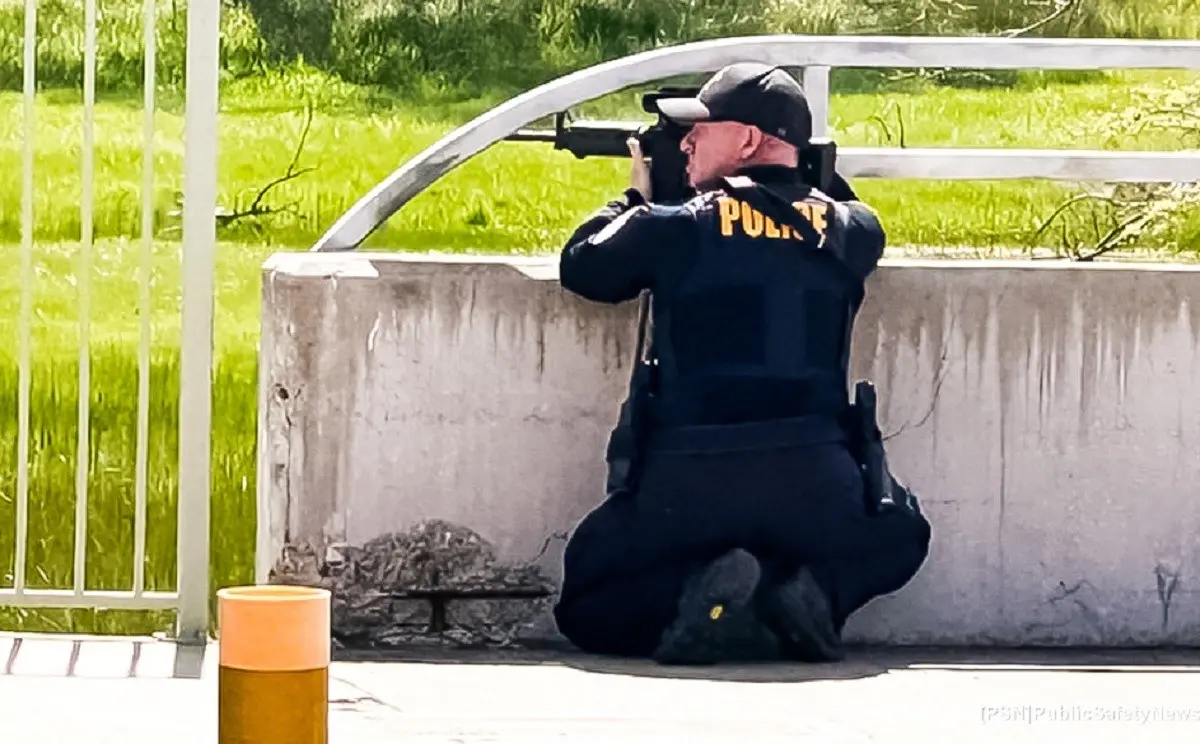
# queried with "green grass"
point(510, 199)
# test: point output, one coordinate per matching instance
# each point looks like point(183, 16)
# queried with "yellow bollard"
point(273, 673)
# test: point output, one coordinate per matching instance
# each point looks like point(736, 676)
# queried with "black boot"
point(717, 620)
point(798, 611)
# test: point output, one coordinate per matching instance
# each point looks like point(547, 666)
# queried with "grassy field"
point(513, 198)
point(510, 197)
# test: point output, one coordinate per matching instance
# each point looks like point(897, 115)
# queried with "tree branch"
point(1111, 241)
point(1063, 7)
point(1090, 196)
point(257, 208)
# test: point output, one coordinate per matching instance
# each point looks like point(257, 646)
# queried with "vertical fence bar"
point(25, 318)
point(196, 354)
point(141, 456)
point(86, 217)
point(816, 90)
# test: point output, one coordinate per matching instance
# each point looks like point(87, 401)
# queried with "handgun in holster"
point(626, 442)
point(867, 443)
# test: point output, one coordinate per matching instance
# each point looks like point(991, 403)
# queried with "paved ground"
point(97, 691)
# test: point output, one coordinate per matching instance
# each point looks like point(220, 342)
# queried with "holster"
point(626, 442)
point(866, 443)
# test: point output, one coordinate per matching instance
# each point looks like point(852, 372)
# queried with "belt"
point(804, 431)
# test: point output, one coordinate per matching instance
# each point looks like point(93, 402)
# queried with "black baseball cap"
point(749, 93)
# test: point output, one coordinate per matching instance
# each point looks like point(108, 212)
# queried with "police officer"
point(746, 537)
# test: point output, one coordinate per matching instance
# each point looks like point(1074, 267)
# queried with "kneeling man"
point(747, 535)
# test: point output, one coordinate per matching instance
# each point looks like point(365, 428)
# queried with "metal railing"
point(816, 55)
point(190, 599)
point(972, 164)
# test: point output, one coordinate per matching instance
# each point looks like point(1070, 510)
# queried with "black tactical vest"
point(762, 309)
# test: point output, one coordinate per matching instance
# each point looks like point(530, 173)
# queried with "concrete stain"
point(1166, 581)
point(1041, 326)
point(525, 314)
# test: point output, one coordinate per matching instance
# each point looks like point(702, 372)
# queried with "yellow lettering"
point(771, 230)
point(802, 208)
point(752, 221)
point(730, 212)
point(755, 224)
point(816, 213)
point(818, 219)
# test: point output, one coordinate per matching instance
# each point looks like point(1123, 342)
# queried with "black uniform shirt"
point(630, 246)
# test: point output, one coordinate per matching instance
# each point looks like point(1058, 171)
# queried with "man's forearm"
point(605, 215)
point(606, 267)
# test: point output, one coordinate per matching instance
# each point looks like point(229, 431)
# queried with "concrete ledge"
point(431, 427)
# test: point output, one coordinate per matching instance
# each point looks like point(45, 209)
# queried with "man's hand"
point(639, 175)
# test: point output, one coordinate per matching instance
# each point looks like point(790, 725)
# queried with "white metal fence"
point(190, 599)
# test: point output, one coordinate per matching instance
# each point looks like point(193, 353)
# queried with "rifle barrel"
point(532, 135)
point(584, 139)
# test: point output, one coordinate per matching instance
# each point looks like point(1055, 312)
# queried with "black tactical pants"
point(626, 562)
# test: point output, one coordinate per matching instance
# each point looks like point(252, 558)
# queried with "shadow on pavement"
point(40, 655)
point(45, 655)
point(860, 663)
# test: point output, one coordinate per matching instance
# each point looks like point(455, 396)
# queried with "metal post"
point(142, 454)
point(25, 320)
point(196, 354)
point(816, 90)
point(87, 220)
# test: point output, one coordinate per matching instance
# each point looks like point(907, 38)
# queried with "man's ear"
point(752, 141)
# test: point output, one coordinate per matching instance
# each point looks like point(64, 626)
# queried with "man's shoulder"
point(860, 214)
point(646, 220)
point(856, 216)
point(863, 237)
point(707, 203)
point(675, 211)
point(703, 201)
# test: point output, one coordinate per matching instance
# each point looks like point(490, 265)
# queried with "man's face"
point(715, 150)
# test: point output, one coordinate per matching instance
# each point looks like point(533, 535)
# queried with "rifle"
point(660, 143)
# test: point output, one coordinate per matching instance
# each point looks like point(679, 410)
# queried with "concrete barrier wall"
point(432, 428)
